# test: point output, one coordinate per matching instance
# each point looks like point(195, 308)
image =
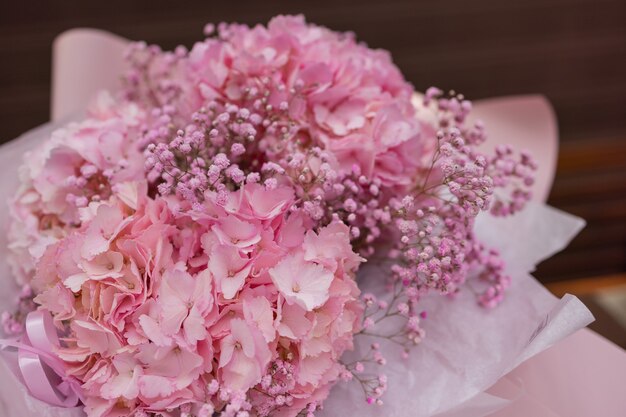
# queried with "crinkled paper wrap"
point(466, 350)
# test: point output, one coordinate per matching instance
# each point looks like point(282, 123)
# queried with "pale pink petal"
point(312, 368)
point(231, 284)
point(155, 386)
point(302, 282)
point(293, 321)
point(267, 205)
point(75, 282)
point(258, 311)
point(227, 346)
point(194, 326)
point(241, 333)
point(236, 232)
point(229, 270)
point(152, 329)
point(242, 373)
point(123, 385)
point(92, 335)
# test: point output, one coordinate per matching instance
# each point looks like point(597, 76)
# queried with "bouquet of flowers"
point(193, 246)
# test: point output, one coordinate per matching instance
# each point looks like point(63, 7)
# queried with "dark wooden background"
point(573, 51)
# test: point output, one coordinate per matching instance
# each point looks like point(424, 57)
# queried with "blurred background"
point(572, 51)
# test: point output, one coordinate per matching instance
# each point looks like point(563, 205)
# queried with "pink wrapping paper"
point(583, 375)
point(465, 353)
point(83, 62)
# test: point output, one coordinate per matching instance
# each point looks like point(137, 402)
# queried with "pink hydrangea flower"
point(80, 163)
point(153, 315)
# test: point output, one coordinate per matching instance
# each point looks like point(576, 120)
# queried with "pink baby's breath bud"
point(88, 170)
point(403, 308)
point(369, 299)
point(222, 197)
point(413, 323)
point(224, 118)
point(208, 29)
point(237, 149)
point(236, 174)
point(407, 202)
point(253, 178)
point(270, 183)
point(220, 160)
point(339, 188)
point(224, 394)
point(206, 410)
point(272, 167)
point(185, 148)
point(185, 410)
point(81, 201)
point(431, 93)
point(346, 376)
point(180, 51)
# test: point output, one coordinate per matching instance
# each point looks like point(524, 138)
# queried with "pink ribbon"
point(43, 372)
